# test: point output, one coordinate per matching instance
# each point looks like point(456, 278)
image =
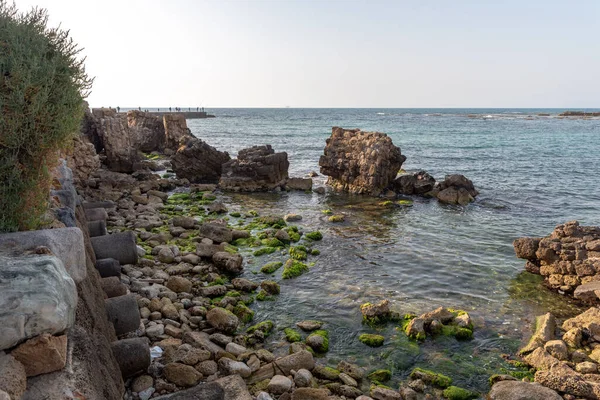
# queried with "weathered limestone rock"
point(545, 325)
point(222, 319)
point(257, 168)
point(119, 145)
point(568, 258)
point(12, 376)
point(564, 379)
point(229, 263)
point(216, 232)
point(455, 189)
point(176, 130)
point(148, 131)
point(82, 159)
point(42, 354)
point(284, 365)
point(299, 184)
point(65, 243)
point(517, 390)
point(198, 162)
point(36, 296)
point(360, 162)
point(418, 183)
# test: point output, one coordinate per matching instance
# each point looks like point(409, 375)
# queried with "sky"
point(310, 53)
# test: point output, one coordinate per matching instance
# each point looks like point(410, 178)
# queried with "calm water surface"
point(533, 173)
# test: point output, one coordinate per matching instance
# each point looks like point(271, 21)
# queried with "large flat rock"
point(37, 296)
point(65, 243)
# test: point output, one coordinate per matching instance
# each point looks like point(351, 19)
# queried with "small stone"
point(170, 311)
point(231, 367)
point(279, 384)
point(13, 379)
point(235, 349)
point(173, 331)
point(557, 348)
point(182, 375)
point(263, 396)
point(207, 368)
point(155, 332)
point(292, 217)
point(142, 383)
point(586, 367)
point(42, 354)
point(348, 380)
point(303, 378)
point(309, 325)
point(179, 284)
point(222, 320)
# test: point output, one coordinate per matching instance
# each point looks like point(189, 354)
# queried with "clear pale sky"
point(310, 53)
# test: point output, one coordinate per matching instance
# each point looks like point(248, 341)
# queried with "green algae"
point(264, 250)
point(264, 296)
point(272, 242)
point(457, 393)
point(298, 253)
point(405, 202)
point(293, 269)
point(243, 312)
point(315, 252)
point(292, 335)
point(327, 212)
point(458, 332)
point(380, 375)
point(436, 379)
point(266, 327)
point(271, 267)
point(233, 293)
point(371, 340)
point(235, 214)
point(315, 235)
point(336, 218)
point(324, 348)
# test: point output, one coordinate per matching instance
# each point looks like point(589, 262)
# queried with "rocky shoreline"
point(164, 251)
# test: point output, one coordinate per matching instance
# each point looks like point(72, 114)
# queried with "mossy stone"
point(371, 340)
point(380, 375)
point(457, 393)
point(292, 335)
point(293, 269)
point(271, 267)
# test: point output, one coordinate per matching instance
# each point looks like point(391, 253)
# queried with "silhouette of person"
point(140, 108)
point(118, 109)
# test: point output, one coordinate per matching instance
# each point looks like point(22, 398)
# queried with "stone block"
point(42, 354)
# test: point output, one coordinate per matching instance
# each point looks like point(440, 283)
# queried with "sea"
point(533, 169)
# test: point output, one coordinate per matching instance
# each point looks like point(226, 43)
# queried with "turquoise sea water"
point(533, 172)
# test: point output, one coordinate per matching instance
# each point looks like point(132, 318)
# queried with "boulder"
point(517, 390)
point(302, 359)
point(299, 184)
point(64, 243)
point(455, 189)
point(36, 296)
point(133, 355)
point(216, 232)
point(526, 247)
point(13, 379)
point(182, 375)
point(176, 130)
point(205, 391)
point(179, 284)
point(119, 145)
point(198, 162)
point(257, 168)
point(418, 183)
point(229, 263)
point(120, 246)
point(545, 325)
point(279, 384)
point(587, 292)
point(42, 354)
point(360, 162)
point(222, 320)
point(148, 131)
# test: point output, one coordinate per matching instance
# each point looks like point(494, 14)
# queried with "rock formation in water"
point(148, 131)
point(567, 258)
point(419, 183)
point(257, 168)
point(176, 130)
point(455, 189)
point(360, 162)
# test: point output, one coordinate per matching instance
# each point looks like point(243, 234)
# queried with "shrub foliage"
point(42, 86)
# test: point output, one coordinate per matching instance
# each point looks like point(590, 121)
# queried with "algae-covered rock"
point(376, 313)
point(271, 267)
point(318, 341)
point(433, 378)
point(293, 269)
point(380, 375)
point(315, 235)
point(337, 218)
point(292, 335)
point(457, 393)
point(371, 339)
point(265, 327)
point(328, 373)
point(309, 325)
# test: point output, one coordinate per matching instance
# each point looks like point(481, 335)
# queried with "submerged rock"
point(418, 183)
point(360, 162)
point(455, 189)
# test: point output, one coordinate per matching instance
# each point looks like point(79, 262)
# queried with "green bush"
point(42, 87)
